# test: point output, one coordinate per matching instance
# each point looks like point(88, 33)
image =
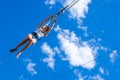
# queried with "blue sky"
point(71, 51)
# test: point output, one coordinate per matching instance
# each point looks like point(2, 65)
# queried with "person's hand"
point(53, 17)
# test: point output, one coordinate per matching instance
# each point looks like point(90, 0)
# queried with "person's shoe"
point(18, 54)
point(12, 50)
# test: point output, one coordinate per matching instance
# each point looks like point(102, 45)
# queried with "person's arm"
point(54, 21)
point(51, 26)
point(46, 34)
point(44, 21)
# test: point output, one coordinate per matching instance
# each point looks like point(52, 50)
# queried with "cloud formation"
point(74, 50)
point(113, 56)
point(50, 2)
point(30, 68)
point(50, 53)
point(80, 77)
point(101, 70)
point(78, 52)
point(96, 77)
point(78, 11)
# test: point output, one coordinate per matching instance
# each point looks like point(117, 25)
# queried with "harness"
point(34, 35)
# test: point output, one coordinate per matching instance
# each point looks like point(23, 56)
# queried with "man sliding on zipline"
point(42, 31)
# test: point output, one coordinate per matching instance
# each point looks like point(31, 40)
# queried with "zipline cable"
point(67, 7)
point(98, 58)
point(4, 58)
point(95, 59)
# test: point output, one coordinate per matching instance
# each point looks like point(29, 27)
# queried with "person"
point(34, 36)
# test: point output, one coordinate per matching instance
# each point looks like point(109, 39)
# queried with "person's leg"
point(31, 41)
point(24, 48)
point(20, 44)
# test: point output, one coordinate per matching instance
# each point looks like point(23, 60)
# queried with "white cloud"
point(47, 49)
point(96, 77)
point(87, 77)
point(80, 77)
point(30, 68)
point(57, 50)
point(50, 2)
point(79, 10)
point(50, 52)
point(27, 60)
point(78, 53)
point(113, 56)
point(84, 29)
point(50, 62)
point(101, 70)
point(23, 78)
point(57, 28)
